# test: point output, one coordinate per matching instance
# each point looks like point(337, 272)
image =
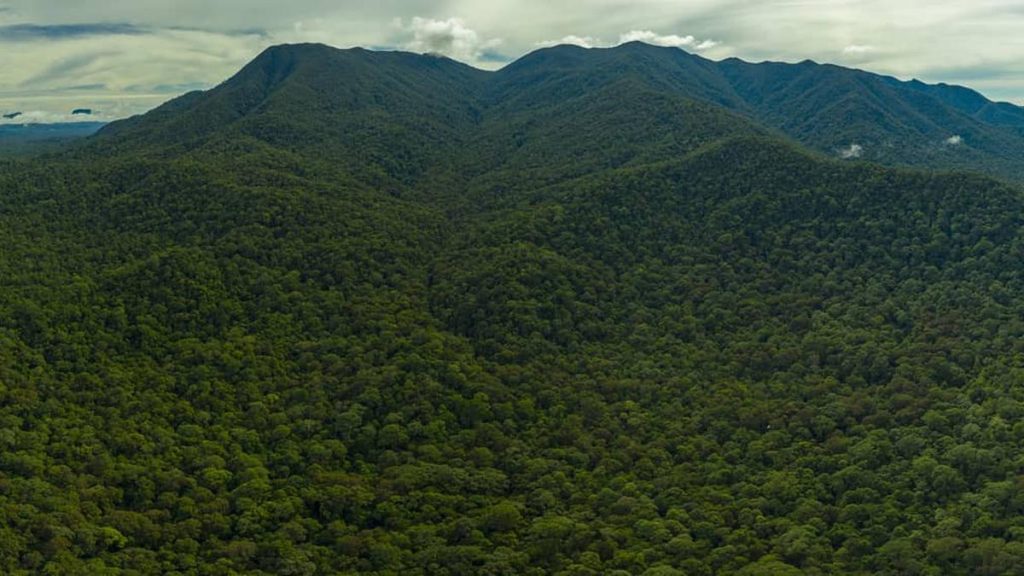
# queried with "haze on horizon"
point(123, 59)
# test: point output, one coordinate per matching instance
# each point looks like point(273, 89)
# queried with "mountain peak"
point(302, 48)
point(278, 62)
point(282, 53)
point(640, 45)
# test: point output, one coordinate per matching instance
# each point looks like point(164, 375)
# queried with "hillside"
point(377, 313)
point(825, 107)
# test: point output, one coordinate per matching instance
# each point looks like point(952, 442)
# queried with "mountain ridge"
point(826, 107)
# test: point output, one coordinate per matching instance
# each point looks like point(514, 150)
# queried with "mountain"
point(355, 312)
point(311, 98)
point(827, 108)
point(971, 102)
point(35, 138)
point(903, 123)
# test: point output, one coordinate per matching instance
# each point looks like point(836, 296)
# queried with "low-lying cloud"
point(647, 36)
point(50, 117)
point(449, 37)
point(573, 40)
point(852, 151)
point(858, 49)
point(21, 32)
point(670, 40)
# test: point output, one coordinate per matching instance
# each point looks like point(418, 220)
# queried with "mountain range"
point(36, 138)
point(602, 311)
point(823, 107)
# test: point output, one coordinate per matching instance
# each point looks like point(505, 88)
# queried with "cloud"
point(954, 140)
point(117, 74)
point(47, 117)
point(572, 39)
point(21, 32)
point(173, 89)
point(64, 68)
point(450, 37)
point(851, 151)
point(670, 41)
point(858, 49)
point(646, 36)
point(85, 87)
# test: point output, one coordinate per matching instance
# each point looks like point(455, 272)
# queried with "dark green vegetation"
point(369, 313)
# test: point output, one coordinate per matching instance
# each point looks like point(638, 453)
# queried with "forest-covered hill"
point(376, 313)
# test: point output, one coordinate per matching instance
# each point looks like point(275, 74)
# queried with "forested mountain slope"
point(364, 313)
point(826, 107)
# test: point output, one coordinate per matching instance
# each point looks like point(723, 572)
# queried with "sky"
point(117, 58)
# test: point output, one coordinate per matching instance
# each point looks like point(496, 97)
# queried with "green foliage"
point(232, 342)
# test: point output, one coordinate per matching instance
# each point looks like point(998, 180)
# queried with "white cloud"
point(851, 151)
point(858, 49)
point(646, 36)
point(584, 41)
point(954, 140)
point(450, 37)
point(671, 40)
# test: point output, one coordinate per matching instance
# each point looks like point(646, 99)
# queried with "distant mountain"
point(826, 107)
point(971, 102)
point(48, 131)
point(908, 123)
point(32, 138)
point(619, 311)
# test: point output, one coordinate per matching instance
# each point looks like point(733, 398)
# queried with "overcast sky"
point(122, 57)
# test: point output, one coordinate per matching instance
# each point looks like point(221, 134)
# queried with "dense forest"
point(356, 312)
